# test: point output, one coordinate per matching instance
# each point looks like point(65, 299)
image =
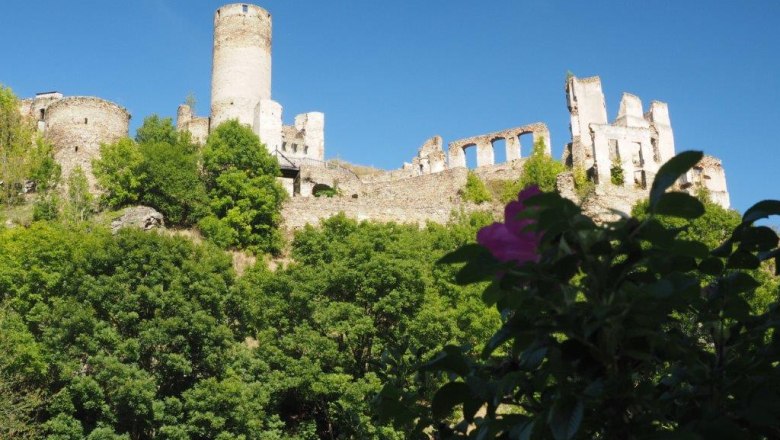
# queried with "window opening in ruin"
point(294, 148)
point(245, 8)
point(305, 149)
point(614, 153)
point(640, 180)
point(470, 152)
point(656, 153)
point(43, 113)
point(77, 149)
point(636, 154)
point(525, 143)
point(85, 120)
point(499, 150)
point(284, 146)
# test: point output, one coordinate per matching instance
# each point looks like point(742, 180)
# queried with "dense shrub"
point(475, 190)
point(627, 330)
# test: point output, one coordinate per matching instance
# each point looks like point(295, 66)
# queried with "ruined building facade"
point(76, 126)
point(637, 142)
point(241, 89)
point(427, 188)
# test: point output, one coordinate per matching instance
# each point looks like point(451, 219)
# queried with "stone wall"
point(77, 125)
point(432, 197)
point(484, 144)
point(241, 68)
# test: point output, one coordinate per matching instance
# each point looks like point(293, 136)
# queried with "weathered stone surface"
point(140, 217)
point(484, 144)
point(77, 126)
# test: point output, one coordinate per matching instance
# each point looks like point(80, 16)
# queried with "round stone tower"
point(241, 69)
point(77, 125)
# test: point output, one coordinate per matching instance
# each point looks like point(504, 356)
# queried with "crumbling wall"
point(334, 177)
point(268, 124)
point(197, 127)
point(417, 200)
point(708, 174)
point(484, 145)
point(77, 125)
point(638, 142)
point(430, 157)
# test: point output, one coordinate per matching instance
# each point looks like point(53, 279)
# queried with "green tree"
point(240, 177)
point(539, 169)
point(118, 172)
point(475, 190)
point(160, 171)
point(156, 129)
point(616, 173)
point(24, 155)
point(625, 330)
point(171, 182)
point(80, 202)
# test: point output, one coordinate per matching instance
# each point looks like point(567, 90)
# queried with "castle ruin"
point(76, 126)
point(429, 187)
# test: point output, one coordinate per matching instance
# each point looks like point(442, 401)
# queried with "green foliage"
point(582, 183)
point(172, 182)
point(160, 171)
point(616, 173)
point(47, 207)
point(23, 154)
point(140, 335)
point(475, 190)
point(118, 174)
point(155, 130)
point(636, 329)
point(325, 191)
point(79, 204)
point(244, 196)
point(539, 169)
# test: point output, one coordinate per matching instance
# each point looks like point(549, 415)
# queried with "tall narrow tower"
point(241, 69)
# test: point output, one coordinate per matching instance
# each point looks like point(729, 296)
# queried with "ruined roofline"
point(238, 7)
point(589, 79)
point(70, 99)
point(537, 127)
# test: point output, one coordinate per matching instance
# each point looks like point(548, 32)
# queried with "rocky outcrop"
point(140, 217)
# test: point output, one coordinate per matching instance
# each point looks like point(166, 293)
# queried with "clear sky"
point(390, 74)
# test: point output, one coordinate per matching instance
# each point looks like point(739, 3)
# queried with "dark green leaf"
point(690, 248)
point(501, 336)
point(492, 293)
point(711, 266)
point(654, 232)
point(742, 259)
point(760, 238)
point(739, 282)
point(724, 250)
point(762, 209)
point(447, 397)
point(465, 253)
point(679, 204)
point(449, 359)
point(565, 419)
point(670, 172)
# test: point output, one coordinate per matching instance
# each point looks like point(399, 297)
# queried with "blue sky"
point(388, 75)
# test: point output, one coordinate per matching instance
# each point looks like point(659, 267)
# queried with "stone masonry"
point(429, 187)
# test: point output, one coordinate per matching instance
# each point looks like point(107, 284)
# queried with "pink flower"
point(510, 241)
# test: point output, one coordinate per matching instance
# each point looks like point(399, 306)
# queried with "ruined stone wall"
point(484, 145)
point(77, 125)
point(417, 200)
point(197, 127)
point(268, 124)
point(241, 69)
point(344, 180)
point(708, 174)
